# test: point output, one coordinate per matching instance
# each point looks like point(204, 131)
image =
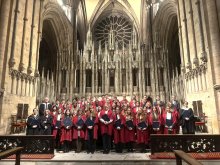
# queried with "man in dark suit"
point(43, 106)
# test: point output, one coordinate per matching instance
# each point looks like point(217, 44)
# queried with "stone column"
point(203, 56)
point(215, 50)
point(84, 79)
point(181, 40)
point(21, 64)
point(142, 61)
point(4, 18)
point(29, 69)
point(103, 77)
point(106, 78)
point(93, 78)
point(195, 59)
point(81, 76)
point(74, 49)
point(14, 35)
point(39, 36)
point(130, 78)
point(117, 78)
point(188, 65)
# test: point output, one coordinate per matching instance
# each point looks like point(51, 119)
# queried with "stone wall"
point(20, 35)
point(195, 21)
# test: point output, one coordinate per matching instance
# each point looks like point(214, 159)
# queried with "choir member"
point(155, 121)
point(43, 106)
point(175, 103)
point(46, 123)
point(119, 122)
point(124, 100)
point(91, 133)
point(129, 129)
point(33, 123)
point(187, 119)
point(63, 105)
point(57, 128)
point(66, 131)
point(78, 130)
point(106, 120)
point(170, 120)
point(142, 124)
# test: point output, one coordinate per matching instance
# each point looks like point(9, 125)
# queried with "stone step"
point(113, 162)
point(98, 158)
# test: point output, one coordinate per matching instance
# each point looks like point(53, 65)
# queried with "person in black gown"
point(33, 123)
point(187, 119)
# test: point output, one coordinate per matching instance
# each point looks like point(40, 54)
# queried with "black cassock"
point(188, 126)
point(33, 121)
point(46, 125)
point(43, 107)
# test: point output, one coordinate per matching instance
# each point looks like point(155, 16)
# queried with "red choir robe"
point(132, 104)
point(78, 132)
point(106, 129)
point(142, 135)
point(129, 134)
point(95, 127)
point(151, 120)
point(174, 118)
point(66, 133)
point(119, 134)
point(55, 130)
point(134, 112)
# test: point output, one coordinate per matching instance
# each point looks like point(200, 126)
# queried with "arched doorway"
point(54, 53)
point(166, 27)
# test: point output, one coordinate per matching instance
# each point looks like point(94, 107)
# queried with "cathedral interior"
point(73, 48)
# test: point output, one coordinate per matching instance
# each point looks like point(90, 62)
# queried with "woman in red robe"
point(106, 124)
point(78, 130)
point(129, 129)
point(57, 128)
point(170, 120)
point(66, 131)
point(91, 133)
point(155, 121)
point(141, 127)
point(119, 122)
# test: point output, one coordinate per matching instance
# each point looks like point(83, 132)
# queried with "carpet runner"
point(170, 155)
point(33, 156)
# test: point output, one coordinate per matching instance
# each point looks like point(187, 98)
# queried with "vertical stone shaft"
point(195, 59)
point(38, 36)
point(187, 37)
point(203, 56)
point(14, 34)
point(29, 70)
point(21, 64)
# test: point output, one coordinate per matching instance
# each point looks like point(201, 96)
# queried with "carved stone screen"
point(121, 27)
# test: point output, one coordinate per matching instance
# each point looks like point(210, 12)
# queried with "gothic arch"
point(60, 23)
point(102, 11)
point(81, 23)
point(166, 25)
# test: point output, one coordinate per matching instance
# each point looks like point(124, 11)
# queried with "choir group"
point(121, 123)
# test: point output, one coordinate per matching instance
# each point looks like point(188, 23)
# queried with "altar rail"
point(186, 143)
point(32, 144)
